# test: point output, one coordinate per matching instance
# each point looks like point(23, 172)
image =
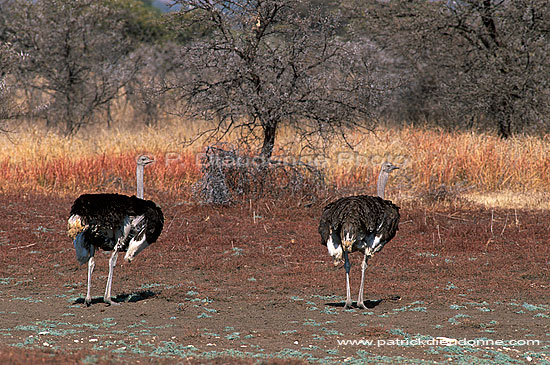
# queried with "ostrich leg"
point(91, 265)
point(112, 262)
point(360, 302)
point(347, 266)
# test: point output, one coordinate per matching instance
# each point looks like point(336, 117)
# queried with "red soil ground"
point(252, 283)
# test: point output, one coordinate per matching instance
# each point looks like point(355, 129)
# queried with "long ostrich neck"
point(139, 176)
point(382, 180)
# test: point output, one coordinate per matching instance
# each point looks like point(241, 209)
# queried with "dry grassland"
point(436, 165)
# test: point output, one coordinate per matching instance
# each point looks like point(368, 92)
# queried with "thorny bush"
point(229, 174)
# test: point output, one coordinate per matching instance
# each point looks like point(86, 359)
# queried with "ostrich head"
point(75, 226)
point(142, 161)
point(387, 168)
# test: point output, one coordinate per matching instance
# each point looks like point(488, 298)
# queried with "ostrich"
point(359, 223)
point(113, 222)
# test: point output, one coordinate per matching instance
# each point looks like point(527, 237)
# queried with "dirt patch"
point(252, 283)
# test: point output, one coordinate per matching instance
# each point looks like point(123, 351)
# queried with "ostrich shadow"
point(123, 298)
point(368, 303)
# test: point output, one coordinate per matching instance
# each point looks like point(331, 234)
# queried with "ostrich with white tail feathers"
point(359, 223)
point(113, 222)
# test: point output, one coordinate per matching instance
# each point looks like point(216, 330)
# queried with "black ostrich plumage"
point(104, 214)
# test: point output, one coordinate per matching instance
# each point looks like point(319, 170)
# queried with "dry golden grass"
point(468, 164)
point(511, 199)
point(483, 168)
point(101, 160)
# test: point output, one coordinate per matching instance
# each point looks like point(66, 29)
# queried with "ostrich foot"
point(110, 302)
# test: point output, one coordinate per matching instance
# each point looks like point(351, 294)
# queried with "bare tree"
point(270, 64)
point(482, 60)
point(9, 109)
point(76, 58)
point(144, 92)
point(8, 60)
point(505, 48)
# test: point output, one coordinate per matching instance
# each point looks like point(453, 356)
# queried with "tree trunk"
point(505, 128)
point(270, 130)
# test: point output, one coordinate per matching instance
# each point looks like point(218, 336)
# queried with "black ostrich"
point(359, 223)
point(113, 222)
